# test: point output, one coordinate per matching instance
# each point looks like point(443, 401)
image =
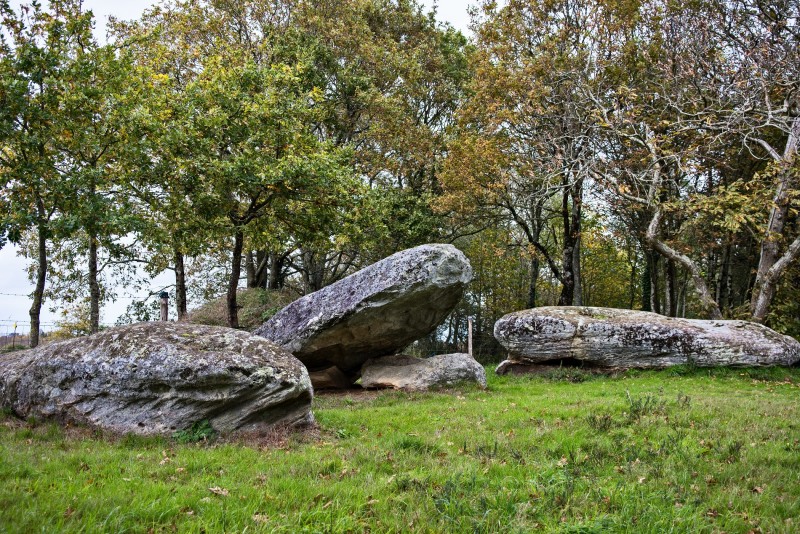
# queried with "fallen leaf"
point(260, 518)
point(216, 490)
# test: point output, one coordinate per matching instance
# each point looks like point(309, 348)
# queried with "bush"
point(255, 307)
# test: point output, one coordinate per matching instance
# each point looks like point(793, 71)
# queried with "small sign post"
point(164, 306)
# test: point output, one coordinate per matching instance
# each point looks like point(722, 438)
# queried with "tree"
point(526, 131)
point(711, 77)
point(37, 48)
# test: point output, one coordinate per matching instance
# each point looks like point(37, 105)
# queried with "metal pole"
point(164, 306)
point(469, 335)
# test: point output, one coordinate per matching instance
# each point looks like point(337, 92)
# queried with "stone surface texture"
point(419, 374)
point(330, 378)
point(374, 312)
point(156, 378)
point(611, 337)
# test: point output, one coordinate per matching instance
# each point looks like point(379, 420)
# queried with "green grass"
point(680, 450)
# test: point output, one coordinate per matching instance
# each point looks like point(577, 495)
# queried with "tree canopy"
point(630, 154)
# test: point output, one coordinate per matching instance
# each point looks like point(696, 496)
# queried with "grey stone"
point(156, 378)
point(375, 312)
point(610, 337)
point(330, 378)
point(419, 374)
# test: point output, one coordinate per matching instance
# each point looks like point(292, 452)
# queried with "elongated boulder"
point(375, 312)
point(610, 337)
point(419, 374)
point(156, 378)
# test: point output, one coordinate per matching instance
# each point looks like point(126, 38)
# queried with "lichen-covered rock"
point(610, 337)
point(419, 374)
point(156, 378)
point(375, 312)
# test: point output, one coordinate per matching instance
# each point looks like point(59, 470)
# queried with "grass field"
point(681, 450)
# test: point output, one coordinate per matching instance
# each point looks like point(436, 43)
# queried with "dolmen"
point(373, 313)
point(158, 378)
point(613, 338)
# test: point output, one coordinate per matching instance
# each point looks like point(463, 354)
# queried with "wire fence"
point(15, 333)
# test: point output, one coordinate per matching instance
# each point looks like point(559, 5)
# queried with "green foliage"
point(257, 305)
point(199, 431)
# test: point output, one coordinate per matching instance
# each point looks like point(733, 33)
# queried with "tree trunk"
point(567, 272)
point(724, 282)
point(763, 292)
point(41, 276)
point(233, 284)
point(577, 297)
point(94, 286)
point(575, 232)
point(250, 269)
point(770, 281)
point(670, 290)
point(180, 285)
point(647, 282)
point(534, 279)
point(275, 275)
point(771, 264)
point(707, 302)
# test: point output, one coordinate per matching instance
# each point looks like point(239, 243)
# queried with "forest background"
point(636, 154)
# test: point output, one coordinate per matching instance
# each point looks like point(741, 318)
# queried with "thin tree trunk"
point(94, 286)
point(180, 285)
point(567, 273)
point(250, 269)
point(533, 282)
point(41, 276)
point(708, 303)
point(647, 281)
point(670, 290)
point(575, 233)
point(577, 298)
point(275, 277)
point(233, 284)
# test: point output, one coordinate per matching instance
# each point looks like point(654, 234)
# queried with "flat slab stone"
point(419, 374)
point(159, 377)
point(611, 337)
point(375, 312)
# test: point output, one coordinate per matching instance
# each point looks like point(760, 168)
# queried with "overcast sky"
point(14, 284)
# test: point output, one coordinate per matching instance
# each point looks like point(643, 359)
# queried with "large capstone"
point(609, 337)
point(420, 374)
point(156, 378)
point(374, 312)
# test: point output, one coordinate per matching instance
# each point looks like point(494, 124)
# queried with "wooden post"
point(164, 306)
point(469, 335)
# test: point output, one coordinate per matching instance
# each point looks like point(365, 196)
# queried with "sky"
point(15, 287)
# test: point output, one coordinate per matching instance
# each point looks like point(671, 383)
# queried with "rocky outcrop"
point(419, 374)
point(610, 337)
point(375, 312)
point(156, 378)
